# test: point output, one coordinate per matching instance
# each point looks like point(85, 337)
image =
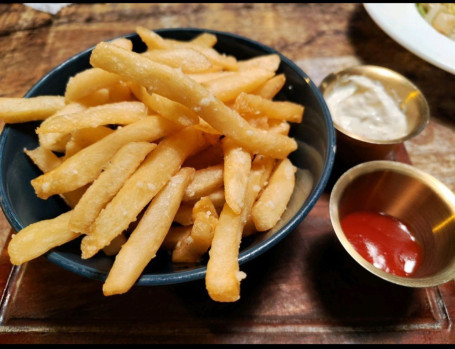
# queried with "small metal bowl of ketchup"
point(396, 221)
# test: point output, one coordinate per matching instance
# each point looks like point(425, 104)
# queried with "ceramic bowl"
point(316, 149)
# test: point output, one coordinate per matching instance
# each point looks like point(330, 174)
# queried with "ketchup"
point(384, 241)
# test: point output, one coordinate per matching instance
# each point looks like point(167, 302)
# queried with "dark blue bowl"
point(316, 152)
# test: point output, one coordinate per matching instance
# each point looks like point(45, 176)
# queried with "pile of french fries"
point(182, 140)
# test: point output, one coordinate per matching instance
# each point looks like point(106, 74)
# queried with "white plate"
point(405, 25)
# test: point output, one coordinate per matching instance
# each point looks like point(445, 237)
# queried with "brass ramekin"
point(416, 198)
point(354, 149)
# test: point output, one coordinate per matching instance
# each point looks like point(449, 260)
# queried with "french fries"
point(253, 106)
point(271, 87)
point(273, 201)
point(175, 85)
point(188, 60)
point(227, 88)
point(122, 113)
point(140, 188)
point(18, 110)
point(57, 141)
point(86, 165)
point(146, 239)
point(40, 237)
point(223, 274)
point(45, 159)
point(205, 181)
point(84, 137)
point(237, 166)
point(109, 182)
point(87, 82)
point(191, 248)
point(180, 148)
point(165, 107)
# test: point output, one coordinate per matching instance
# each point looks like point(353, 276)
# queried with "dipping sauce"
point(384, 241)
point(363, 107)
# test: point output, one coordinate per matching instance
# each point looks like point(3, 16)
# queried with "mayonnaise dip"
point(362, 106)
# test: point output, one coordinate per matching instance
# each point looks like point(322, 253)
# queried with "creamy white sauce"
point(363, 107)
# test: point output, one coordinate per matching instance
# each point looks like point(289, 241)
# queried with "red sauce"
point(384, 241)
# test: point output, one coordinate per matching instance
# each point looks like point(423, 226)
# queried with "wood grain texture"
point(306, 289)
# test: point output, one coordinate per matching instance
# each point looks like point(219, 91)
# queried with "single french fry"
point(261, 169)
point(148, 236)
point(141, 187)
point(261, 122)
point(57, 141)
point(88, 81)
point(223, 275)
point(273, 201)
point(124, 43)
point(188, 60)
point(86, 165)
point(155, 41)
point(237, 166)
point(205, 127)
point(114, 247)
point(205, 181)
point(99, 97)
point(204, 39)
point(103, 189)
point(151, 39)
point(176, 86)
point(281, 127)
point(119, 92)
point(19, 110)
point(227, 88)
point(84, 137)
point(174, 234)
point(184, 215)
point(54, 141)
point(171, 110)
point(122, 113)
point(268, 62)
point(191, 248)
point(250, 106)
point(205, 77)
point(40, 237)
point(219, 60)
point(271, 87)
point(271, 125)
point(45, 159)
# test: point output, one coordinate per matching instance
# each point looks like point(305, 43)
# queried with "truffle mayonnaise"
point(363, 107)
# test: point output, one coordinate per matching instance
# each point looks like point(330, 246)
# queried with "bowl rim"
point(59, 258)
point(408, 170)
point(331, 78)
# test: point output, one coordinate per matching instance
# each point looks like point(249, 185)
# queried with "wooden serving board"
point(306, 289)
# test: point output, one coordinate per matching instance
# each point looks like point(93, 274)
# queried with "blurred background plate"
point(403, 23)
